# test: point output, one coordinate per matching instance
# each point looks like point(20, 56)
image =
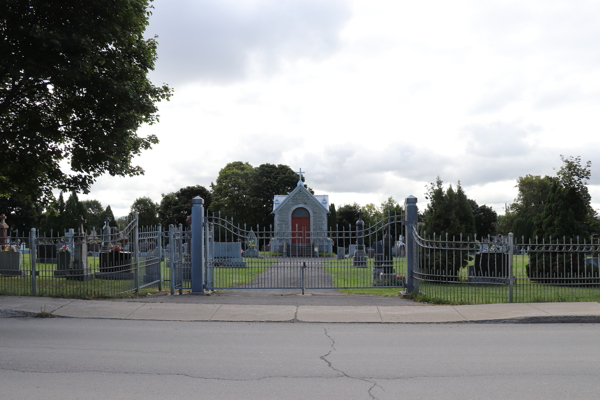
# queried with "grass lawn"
point(47, 284)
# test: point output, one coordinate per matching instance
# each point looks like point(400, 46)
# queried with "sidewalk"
point(172, 311)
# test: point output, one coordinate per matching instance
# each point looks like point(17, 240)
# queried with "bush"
point(563, 268)
point(444, 265)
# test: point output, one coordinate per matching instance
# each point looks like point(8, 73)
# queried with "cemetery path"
point(286, 273)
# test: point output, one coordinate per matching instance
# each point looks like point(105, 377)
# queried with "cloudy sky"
point(372, 98)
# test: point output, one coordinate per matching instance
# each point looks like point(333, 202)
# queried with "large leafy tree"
point(94, 211)
point(74, 88)
point(175, 207)
point(567, 210)
point(269, 180)
point(533, 190)
point(148, 211)
point(485, 219)
point(245, 193)
point(21, 212)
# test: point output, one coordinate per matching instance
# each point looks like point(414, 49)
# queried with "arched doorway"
point(300, 226)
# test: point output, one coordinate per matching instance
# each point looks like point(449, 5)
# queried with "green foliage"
point(74, 88)
point(269, 180)
point(108, 214)
point(332, 217)
point(94, 211)
point(485, 219)
point(21, 211)
point(531, 199)
point(246, 194)
point(148, 211)
point(347, 216)
point(73, 211)
point(448, 212)
point(176, 207)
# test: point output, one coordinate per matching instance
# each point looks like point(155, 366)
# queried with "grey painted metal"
point(172, 257)
point(298, 266)
point(136, 251)
point(33, 249)
point(197, 245)
point(411, 212)
point(510, 266)
point(160, 258)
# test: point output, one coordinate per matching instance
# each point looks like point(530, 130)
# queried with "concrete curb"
point(147, 311)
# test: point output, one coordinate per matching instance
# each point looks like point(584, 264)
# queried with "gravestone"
point(10, 261)
point(340, 253)
point(371, 252)
point(46, 253)
point(79, 270)
point(63, 261)
point(228, 254)
point(252, 246)
point(115, 262)
point(360, 257)
point(384, 273)
point(351, 250)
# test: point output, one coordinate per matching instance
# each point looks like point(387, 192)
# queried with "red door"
point(300, 226)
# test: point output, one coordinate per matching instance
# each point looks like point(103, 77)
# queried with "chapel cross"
point(300, 174)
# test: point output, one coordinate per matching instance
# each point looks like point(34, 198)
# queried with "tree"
point(108, 214)
point(269, 180)
point(175, 207)
point(332, 217)
point(75, 89)
point(530, 202)
point(73, 211)
point(148, 211)
point(347, 216)
point(485, 219)
point(567, 210)
point(94, 211)
point(21, 212)
point(448, 211)
point(232, 194)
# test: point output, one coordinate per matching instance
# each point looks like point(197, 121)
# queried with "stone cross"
point(300, 174)
point(3, 229)
point(81, 221)
point(360, 215)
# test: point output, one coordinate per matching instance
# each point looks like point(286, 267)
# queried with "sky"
point(371, 98)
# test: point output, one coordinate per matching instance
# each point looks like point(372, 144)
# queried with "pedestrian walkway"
point(140, 309)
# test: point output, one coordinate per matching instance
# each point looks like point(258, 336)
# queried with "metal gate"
point(357, 257)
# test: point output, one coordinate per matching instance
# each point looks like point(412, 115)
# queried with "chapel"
point(301, 223)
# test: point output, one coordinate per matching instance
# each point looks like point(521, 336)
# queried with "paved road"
point(81, 358)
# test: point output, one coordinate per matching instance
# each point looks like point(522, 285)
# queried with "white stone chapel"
point(301, 222)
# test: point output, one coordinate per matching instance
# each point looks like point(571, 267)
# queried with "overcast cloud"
point(372, 98)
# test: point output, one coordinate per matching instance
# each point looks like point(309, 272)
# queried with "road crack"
point(343, 373)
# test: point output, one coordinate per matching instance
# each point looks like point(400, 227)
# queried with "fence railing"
point(83, 265)
point(506, 269)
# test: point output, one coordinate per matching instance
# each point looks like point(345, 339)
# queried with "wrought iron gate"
point(358, 257)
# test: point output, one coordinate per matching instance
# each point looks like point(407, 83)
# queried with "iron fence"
point(505, 269)
point(258, 258)
point(82, 264)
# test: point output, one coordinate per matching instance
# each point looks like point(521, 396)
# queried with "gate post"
point(172, 256)
point(33, 242)
point(197, 245)
point(412, 218)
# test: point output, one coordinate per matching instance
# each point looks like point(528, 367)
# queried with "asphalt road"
point(66, 359)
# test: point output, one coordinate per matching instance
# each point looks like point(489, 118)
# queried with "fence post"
point(33, 254)
point(172, 256)
point(411, 220)
point(197, 245)
point(160, 272)
point(510, 266)
point(136, 250)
